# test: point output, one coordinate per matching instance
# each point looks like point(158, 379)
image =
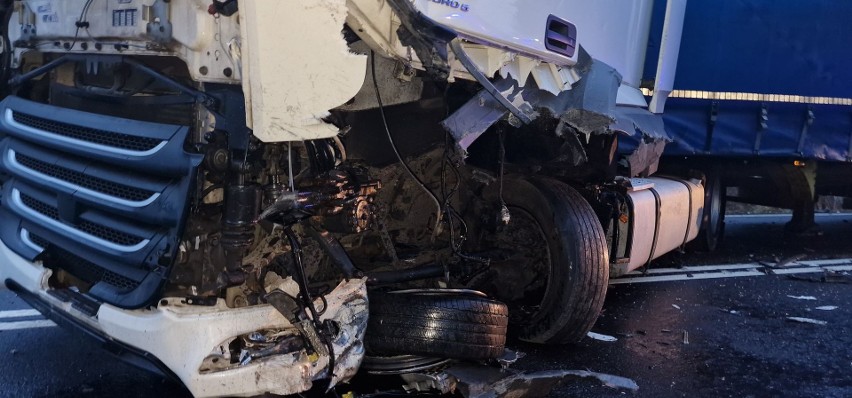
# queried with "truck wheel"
point(435, 324)
point(713, 220)
point(554, 269)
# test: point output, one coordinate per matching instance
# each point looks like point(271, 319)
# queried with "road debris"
point(807, 320)
point(676, 306)
point(789, 261)
point(509, 358)
point(802, 297)
point(601, 337)
point(827, 308)
point(478, 382)
point(828, 276)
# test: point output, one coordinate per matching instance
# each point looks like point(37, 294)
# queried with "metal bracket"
point(802, 137)
point(201, 97)
point(849, 151)
point(763, 121)
point(711, 125)
point(159, 27)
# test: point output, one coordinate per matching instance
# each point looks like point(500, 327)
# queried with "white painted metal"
point(296, 67)
point(669, 54)
point(182, 336)
point(377, 26)
point(679, 214)
point(513, 24)
point(207, 44)
point(612, 31)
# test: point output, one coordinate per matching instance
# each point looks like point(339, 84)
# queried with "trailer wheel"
point(713, 219)
point(555, 268)
point(436, 324)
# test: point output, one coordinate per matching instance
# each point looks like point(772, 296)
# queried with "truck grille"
point(75, 177)
point(101, 198)
point(96, 136)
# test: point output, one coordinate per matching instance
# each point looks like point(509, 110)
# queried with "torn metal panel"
point(475, 117)
point(428, 39)
point(588, 108)
point(291, 85)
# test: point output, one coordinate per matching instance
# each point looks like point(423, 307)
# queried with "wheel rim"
point(525, 260)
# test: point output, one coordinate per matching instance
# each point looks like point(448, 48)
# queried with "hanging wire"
point(439, 212)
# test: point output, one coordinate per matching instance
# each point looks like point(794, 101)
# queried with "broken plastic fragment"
point(509, 358)
point(601, 337)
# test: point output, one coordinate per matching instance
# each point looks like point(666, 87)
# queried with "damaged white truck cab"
point(253, 196)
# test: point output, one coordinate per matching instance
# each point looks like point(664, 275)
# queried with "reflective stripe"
point(735, 96)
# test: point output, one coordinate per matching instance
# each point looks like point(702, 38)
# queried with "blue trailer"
point(763, 99)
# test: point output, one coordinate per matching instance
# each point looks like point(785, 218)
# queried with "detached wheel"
point(552, 265)
point(713, 219)
point(436, 324)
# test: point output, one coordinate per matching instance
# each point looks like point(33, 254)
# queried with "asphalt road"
point(740, 341)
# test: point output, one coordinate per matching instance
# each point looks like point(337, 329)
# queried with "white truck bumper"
point(181, 336)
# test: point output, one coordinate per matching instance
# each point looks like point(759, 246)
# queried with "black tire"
point(436, 325)
point(577, 273)
point(713, 219)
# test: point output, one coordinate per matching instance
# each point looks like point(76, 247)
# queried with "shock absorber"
point(241, 207)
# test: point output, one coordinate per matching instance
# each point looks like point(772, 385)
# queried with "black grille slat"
point(103, 232)
point(40, 207)
point(38, 240)
point(108, 234)
point(87, 271)
point(83, 180)
point(103, 137)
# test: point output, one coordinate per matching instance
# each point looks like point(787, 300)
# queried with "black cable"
point(302, 280)
point(393, 144)
point(502, 138)
point(81, 23)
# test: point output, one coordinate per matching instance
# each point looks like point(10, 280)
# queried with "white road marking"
point(4, 326)
point(785, 215)
point(18, 313)
point(730, 271)
point(827, 308)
